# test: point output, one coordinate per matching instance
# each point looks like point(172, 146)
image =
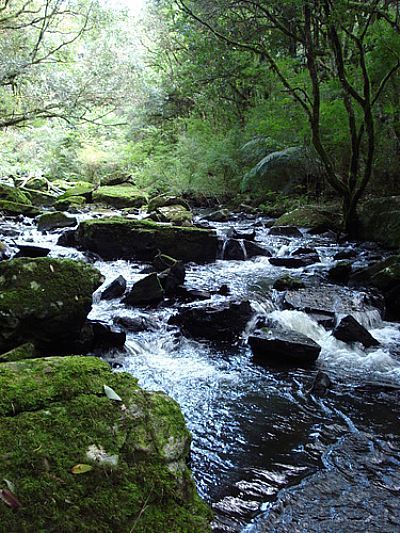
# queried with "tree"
point(335, 43)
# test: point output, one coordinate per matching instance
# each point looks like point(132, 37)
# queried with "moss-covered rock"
point(165, 201)
point(55, 220)
point(15, 209)
point(80, 188)
point(13, 194)
point(56, 415)
point(120, 238)
point(44, 301)
point(25, 351)
point(119, 196)
point(314, 218)
point(379, 220)
point(71, 202)
point(176, 214)
point(40, 198)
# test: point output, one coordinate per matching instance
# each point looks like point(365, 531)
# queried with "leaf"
point(10, 485)
point(10, 499)
point(81, 469)
point(111, 394)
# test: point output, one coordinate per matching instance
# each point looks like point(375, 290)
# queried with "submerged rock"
point(218, 322)
point(44, 301)
point(55, 220)
point(88, 461)
point(115, 289)
point(97, 334)
point(284, 347)
point(119, 238)
point(349, 330)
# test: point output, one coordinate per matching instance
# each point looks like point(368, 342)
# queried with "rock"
point(147, 291)
point(322, 383)
point(222, 215)
point(165, 201)
point(287, 282)
point(340, 272)
point(176, 214)
point(217, 322)
point(234, 250)
point(68, 239)
point(172, 278)
point(115, 289)
point(325, 320)
point(15, 209)
point(4, 251)
point(345, 254)
point(136, 451)
point(313, 218)
point(284, 347)
point(294, 262)
point(328, 300)
point(40, 198)
point(97, 334)
point(379, 220)
point(55, 220)
point(70, 202)
point(118, 238)
point(254, 249)
point(14, 195)
point(349, 330)
point(44, 301)
point(25, 351)
point(304, 250)
point(134, 324)
point(83, 188)
point(162, 262)
point(248, 235)
point(119, 196)
point(27, 250)
point(286, 231)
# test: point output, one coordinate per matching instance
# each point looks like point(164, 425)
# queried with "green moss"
point(54, 220)
point(60, 412)
point(309, 217)
point(166, 201)
point(25, 351)
point(119, 196)
point(13, 194)
point(72, 201)
point(82, 188)
point(13, 208)
point(176, 214)
point(40, 198)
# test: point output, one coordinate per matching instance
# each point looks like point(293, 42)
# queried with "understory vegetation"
point(251, 101)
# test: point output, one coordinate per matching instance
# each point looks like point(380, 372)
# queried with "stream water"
point(268, 454)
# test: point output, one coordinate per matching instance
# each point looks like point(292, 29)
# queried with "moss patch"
point(25, 351)
point(15, 209)
point(309, 217)
point(55, 412)
point(54, 220)
point(13, 194)
point(119, 196)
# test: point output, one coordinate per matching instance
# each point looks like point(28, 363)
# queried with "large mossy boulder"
point(40, 198)
point(119, 196)
point(44, 301)
point(166, 201)
point(55, 220)
point(176, 214)
point(80, 188)
point(13, 194)
point(75, 459)
point(379, 220)
point(313, 218)
point(121, 238)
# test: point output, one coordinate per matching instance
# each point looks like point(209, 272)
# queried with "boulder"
point(172, 278)
point(216, 322)
point(85, 449)
point(147, 291)
point(44, 301)
point(286, 231)
point(221, 215)
point(28, 250)
point(234, 250)
point(349, 330)
point(313, 218)
point(287, 282)
point(176, 214)
point(245, 234)
point(82, 188)
point(25, 351)
point(349, 253)
point(4, 251)
point(294, 261)
point(115, 289)
point(119, 238)
point(39, 198)
point(15, 209)
point(284, 347)
point(165, 201)
point(119, 196)
point(254, 249)
point(133, 324)
point(72, 202)
point(340, 272)
point(379, 220)
point(14, 195)
point(96, 334)
point(55, 220)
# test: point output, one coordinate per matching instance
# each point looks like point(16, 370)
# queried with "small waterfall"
point(243, 247)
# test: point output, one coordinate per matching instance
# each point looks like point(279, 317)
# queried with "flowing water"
point(268, 454)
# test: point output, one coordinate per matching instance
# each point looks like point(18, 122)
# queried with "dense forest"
point(199, 266)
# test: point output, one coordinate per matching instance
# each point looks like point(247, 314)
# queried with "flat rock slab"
point(284, 347)
point(85, 447)
point(121, 238)
point(294, 261)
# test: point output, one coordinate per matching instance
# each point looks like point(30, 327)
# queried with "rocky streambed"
point(280, 346)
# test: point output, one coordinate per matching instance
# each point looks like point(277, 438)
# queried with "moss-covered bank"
point(55, 416)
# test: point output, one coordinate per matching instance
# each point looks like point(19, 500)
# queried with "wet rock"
point(172, 278)
point(216, 322)
point(44, 301)
point(254, 249)
point(131, 447)
point(96, 334)
point(193, 295)
point(147, 291)
point(284, 347)
point(345, 254)
point(322, 383)
point(83, 188)
point(234, 250)
point(325, 320)
point(119, 196)
point(286, 231)
point(68, 239)
point(222, 215)
point(55, 220)
point(288, 282)
point(304, 250)
point(27, 250)
point(4, 251)
point(115, 289)
point(134, 324)
point(248, 235)
point(295, 262)
point(15, 195)
point(119, 238)
point(71, 203)
point(349, 330)
point(16, 209)
point(340, 272)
